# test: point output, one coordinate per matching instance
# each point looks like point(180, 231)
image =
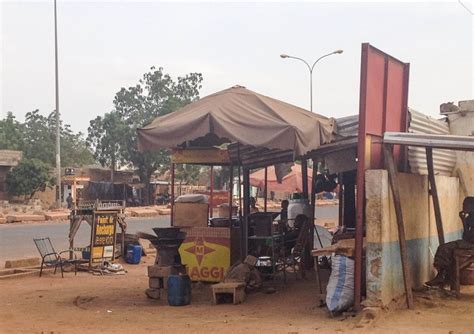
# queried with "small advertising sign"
point(206, 253)
point(103, 237)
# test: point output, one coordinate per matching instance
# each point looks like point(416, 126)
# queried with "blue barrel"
point(134, 254)
point(179, 290)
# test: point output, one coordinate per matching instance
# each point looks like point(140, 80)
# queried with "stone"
point(153, 293)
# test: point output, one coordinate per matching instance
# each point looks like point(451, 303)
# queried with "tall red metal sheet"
point(382, 107)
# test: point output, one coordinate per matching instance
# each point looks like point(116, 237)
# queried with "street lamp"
point(310, 68)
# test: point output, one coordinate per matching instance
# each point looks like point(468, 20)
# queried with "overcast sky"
point(104, 46)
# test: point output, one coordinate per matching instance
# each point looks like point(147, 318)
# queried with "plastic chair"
point(50, 258)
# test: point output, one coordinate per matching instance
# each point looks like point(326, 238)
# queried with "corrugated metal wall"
point(444, 160)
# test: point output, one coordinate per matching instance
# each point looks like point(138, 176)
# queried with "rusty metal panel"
point(444, 161)
point(382, 107)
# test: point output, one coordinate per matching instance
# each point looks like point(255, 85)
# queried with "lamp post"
point(56, 75)
point(311, 68)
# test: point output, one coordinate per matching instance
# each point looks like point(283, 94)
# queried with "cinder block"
point(158, 282)
point(21, 263)
point(165, 271)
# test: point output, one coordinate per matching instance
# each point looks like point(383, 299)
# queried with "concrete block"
point(58, 215)
point(153, 293)
point(158, 282)
point(21, 263)
point(143, 212)
point(24, 217)
point(165, 271)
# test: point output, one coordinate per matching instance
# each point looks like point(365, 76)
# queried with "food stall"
point(241, 129)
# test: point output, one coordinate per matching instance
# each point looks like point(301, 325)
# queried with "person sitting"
point(444, 257)
point(283, 222)
point(291, 237)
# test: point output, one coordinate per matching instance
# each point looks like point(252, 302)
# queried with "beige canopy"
point(240, 115)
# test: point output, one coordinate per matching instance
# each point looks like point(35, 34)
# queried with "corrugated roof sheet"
point(443, 160)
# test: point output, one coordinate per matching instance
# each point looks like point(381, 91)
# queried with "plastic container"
point(134, 254)
point(179, 290)
point(297, 207)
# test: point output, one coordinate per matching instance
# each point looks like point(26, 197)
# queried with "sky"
point(106, 45)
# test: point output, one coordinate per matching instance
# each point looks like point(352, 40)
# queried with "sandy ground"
point(117, 304)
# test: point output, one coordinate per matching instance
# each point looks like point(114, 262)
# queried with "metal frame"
point(383, 99)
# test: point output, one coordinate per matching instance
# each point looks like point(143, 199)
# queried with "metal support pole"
point(231, 189)
point(58, 141)
point(211, 190)
point(245, 225)
point(265, 193)
point(304, 177)
point(172, 194)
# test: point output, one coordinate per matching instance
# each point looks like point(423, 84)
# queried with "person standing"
point(69, 201)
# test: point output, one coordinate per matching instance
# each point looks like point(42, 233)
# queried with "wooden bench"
point(463, 258)
point(237, 290)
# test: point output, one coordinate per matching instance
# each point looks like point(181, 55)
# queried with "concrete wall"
point(384, 271)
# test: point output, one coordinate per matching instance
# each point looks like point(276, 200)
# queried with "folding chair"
point(50, 258)
point(294, 258)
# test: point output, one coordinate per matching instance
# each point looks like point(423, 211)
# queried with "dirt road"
point(117, 304)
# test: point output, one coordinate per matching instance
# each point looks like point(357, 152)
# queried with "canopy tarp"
point(291, 183)
point(240, 115)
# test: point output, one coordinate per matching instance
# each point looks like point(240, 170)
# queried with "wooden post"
point(172, 194)
point(434, 194)
point(393, 179)
point(265, 191)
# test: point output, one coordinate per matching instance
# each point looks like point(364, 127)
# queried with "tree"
point(105, 137)
point(187, 173)
point(155, 94)
point(28, 177)
point(11, 133)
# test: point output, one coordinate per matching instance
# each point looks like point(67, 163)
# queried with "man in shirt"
point(444, 257)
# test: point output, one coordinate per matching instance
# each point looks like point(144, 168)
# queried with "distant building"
point(8, 159)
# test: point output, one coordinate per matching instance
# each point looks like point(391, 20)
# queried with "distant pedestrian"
point(69, 201)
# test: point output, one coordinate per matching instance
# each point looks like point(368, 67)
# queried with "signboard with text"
point(103, 237)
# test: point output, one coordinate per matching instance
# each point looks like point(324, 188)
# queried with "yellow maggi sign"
point(206, 258)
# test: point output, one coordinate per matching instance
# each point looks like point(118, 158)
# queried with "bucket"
point(134, 254)
point(179, 290)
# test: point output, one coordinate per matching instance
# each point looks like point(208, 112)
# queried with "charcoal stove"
point(168, 260)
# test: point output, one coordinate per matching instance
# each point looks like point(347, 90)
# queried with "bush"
point(28, 177)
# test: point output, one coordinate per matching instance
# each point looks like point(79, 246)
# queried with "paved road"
point(16, 240)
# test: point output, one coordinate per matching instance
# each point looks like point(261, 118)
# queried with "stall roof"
point(243, 116)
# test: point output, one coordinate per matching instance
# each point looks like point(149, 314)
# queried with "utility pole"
point(58, 142)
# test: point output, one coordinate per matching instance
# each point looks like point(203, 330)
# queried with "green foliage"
point(114, 136)
point(28, 177)
point(36, 137)
point(187, 173)
point(11, 133)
